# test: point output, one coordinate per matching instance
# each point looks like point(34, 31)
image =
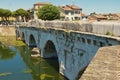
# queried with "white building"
point(70, 12)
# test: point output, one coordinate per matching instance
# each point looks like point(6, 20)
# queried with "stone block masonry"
point(74, 49)
point(105, 65)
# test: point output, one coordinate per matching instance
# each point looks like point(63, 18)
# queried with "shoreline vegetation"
point(10, 41)
point(8, 37)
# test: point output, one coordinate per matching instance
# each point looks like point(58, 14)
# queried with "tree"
point(14, 14)
point(94, 13)
point(1, 13)
point(7, 13)
point(48, 12)
point(20, 13)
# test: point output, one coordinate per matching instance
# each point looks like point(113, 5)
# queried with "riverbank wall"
point(7, 31)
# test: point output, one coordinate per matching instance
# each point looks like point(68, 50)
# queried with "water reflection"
point(17, 61)
point(42, 69)
point(6, 52)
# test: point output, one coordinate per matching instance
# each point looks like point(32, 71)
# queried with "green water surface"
point(17, 64)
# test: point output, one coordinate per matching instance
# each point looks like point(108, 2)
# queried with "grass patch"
point(20, 43)
point(11, 40)
point(5, 74)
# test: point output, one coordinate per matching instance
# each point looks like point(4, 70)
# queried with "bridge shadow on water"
point(41, 69)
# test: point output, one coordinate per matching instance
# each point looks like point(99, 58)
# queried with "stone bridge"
point(74, 49)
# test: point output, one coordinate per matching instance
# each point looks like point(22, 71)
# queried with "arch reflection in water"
point(41, 69)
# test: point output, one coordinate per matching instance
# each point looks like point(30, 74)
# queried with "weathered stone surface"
point(105, 65)
point(19, 38)
point(35, 52)
point(97, 27)
point(74, 49)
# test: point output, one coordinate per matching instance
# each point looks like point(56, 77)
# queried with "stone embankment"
point(97, 27)
point(7, 31)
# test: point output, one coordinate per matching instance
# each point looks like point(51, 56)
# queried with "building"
point(118, 14)
point(97, 17)
point(111, 16)
point(70, 12)
point(37, 6)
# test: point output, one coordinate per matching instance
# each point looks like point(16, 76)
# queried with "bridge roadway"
point(74, 49)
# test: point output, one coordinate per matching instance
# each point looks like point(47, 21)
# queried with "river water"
point(17, 64)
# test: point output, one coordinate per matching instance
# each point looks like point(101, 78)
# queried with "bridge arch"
point(32, 41)
point(51, 54)
point(50, 50)
point(23, 37)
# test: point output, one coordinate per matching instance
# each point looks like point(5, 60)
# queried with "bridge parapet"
point(102, 27)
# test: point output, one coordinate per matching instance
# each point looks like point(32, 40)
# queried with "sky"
point(88, 6)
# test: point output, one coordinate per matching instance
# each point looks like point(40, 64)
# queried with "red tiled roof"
point(83, 14)
point(70, 7)
point(118, 14)
point(42, 3)
point(74, 7)
point(65, 8)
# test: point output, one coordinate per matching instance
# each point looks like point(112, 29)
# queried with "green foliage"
point(14, 14)
point(1, 12)
point(93, 13)
point(107, 33)
point(5, 13)
point(48, 12)
point(11, 40)
point(20, 12)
